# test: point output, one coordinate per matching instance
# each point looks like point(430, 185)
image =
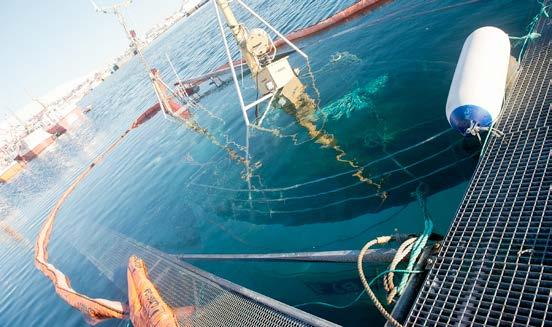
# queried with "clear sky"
point(45, 43)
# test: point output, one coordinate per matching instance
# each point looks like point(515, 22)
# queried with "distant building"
point(189, 6)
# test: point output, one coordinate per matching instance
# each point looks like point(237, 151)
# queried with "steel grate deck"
point(495, 265)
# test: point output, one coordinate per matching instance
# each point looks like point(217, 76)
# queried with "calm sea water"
point(383, 80)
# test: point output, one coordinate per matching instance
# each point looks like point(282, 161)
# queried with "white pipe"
point(248, 167)
point(174, 70)
point(266, 110)
point(273, 29)
point(229, 55)
point(266, 96)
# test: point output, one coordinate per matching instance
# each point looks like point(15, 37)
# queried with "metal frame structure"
point(270, 96)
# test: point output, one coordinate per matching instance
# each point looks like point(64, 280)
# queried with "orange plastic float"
point(147, 307)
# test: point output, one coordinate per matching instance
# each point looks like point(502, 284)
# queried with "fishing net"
point(358, 99)
point(216, 301)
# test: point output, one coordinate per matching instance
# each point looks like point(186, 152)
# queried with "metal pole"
point(266, 110)
point(174, 70)
point(344, 256)
point(248, 166)
point(273, 29)
point(229, 55)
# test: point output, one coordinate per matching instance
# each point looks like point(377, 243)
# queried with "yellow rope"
point(377, 303)
point(402, 253)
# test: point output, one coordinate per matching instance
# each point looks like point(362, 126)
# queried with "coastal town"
point(26, 132)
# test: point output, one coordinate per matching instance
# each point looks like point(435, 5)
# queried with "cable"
point(332, 305)
point(321, 179)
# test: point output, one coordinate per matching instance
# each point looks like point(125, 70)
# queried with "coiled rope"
point(378, 241)
point(412, 246)
point(402, 253)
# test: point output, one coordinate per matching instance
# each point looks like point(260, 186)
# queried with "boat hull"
point(69, 121)
point(34, 144)
point(33, 153)
point(11, 172)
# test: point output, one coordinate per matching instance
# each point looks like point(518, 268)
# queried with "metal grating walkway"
point(495, 265)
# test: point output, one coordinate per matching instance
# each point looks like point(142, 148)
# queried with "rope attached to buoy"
point(531, 34)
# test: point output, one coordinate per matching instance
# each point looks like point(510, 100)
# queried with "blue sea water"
point(382, 79)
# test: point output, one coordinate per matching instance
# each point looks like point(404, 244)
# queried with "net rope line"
point(359, 197)
point(531, 34)
point(403, 168)
point(418, 245)
point(321, 179)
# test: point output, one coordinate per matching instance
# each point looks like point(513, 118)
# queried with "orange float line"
point(327, 23)
point(147, 115)
point(146, 307)
point(355, 9)
point(95, 310)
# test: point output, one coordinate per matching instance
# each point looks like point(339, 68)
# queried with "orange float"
point(335, 19)
point(146, 306)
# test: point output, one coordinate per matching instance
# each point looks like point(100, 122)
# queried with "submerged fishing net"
point(357, 100)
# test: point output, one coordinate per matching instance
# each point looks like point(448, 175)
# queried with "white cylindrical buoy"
point(479, 83)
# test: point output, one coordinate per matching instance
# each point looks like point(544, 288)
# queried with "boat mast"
point(116, 10)
point(240, 34)
point(131, 35)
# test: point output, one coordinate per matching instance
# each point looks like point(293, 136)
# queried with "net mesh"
point(217, 302)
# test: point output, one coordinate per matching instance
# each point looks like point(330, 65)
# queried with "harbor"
point(24, 139)
point(248, 163)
